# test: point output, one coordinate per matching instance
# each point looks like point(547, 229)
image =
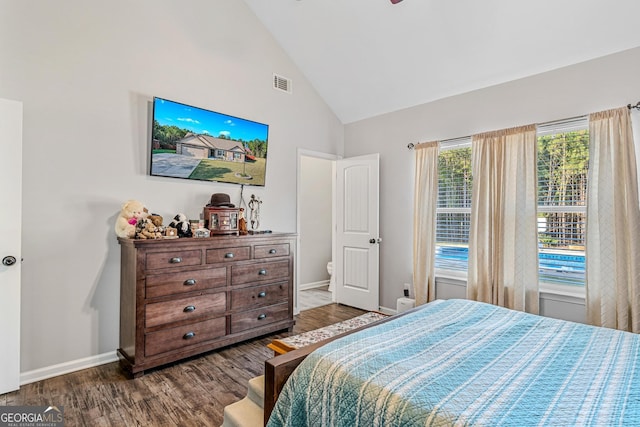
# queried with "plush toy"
point(181, 223)
point(132, 211)
point(157, 221)
point(145, 229)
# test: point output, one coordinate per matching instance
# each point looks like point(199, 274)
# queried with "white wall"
point(86, 72)
point(597, 85)
point(316, 201)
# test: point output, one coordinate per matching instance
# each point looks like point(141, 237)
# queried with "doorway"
point(315, 211)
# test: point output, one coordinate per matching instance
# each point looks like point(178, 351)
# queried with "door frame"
point(318, 155)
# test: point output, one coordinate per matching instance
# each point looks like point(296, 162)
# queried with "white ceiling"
point(369, 57)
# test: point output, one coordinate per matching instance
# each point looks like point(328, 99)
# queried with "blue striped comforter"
point(465, 363)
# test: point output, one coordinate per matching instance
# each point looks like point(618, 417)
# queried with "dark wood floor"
point(191, 393)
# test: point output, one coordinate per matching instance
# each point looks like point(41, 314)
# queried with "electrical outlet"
point(407, 289)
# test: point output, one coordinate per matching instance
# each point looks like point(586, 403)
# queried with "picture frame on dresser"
point(183, 297)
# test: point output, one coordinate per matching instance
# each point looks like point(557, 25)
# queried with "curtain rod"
point(411, 145)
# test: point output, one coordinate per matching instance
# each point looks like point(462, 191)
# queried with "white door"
point(357, 225)
point(10, 242)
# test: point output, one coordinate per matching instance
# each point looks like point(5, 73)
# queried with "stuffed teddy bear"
point(157, 221)
point(181, 223)
point(132, 211)
point(145, 229)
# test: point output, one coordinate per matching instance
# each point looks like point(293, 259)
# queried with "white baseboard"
point(313, 285)
point(67, 367)
point(389, 311)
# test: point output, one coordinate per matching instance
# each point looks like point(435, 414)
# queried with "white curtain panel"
point(613, 224)
point(503, 241)
point(424, 222)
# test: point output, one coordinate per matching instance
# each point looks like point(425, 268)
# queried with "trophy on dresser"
point(254, 214)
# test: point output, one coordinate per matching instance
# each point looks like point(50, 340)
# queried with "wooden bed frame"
point(278, 369)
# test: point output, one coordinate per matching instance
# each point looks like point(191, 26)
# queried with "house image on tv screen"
point(193, 143)
point(207, 146)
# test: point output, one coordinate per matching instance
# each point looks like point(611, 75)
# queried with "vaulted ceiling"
point(369, 57)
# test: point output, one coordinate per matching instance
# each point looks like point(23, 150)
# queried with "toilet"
point(332, 280)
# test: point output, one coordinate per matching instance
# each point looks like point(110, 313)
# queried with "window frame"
point(560, 126)
point(453, 144)
point(552, 128)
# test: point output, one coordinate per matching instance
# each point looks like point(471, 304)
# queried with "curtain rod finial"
point(411, 145)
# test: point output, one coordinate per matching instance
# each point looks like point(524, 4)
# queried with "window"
point(563, 158)
point(453, 213)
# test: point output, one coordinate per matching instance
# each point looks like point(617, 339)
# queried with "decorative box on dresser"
point(182, 297)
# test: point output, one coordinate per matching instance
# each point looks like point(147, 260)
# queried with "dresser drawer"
point(258, 296)
point(156, 260)
point(228, 254)
point(256, 318)
point(160, 313)
point(268, 251)
point(182, 336)
point(259, 272)
point(174, 283)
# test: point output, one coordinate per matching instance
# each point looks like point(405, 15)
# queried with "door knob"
point(9, 260)
point(372, 241)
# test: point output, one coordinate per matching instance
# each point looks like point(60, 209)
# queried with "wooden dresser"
point(182, 297)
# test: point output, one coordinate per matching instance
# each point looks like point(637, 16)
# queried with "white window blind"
point(453, 212)
point(563, 160)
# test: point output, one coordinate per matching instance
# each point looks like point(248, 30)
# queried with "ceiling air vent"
point(281, 83)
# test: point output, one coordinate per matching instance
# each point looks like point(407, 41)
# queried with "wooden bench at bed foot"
point(248, 412)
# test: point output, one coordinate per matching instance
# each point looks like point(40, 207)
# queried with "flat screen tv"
point(193, 143)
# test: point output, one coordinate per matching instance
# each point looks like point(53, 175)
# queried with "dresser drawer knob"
point(272, 251)
point(228, 255)
point(262, 294)
point(188, 335)
point(190, 282)
point(189, 308)
point(262, 316)
point(262, 272)
point(175, 260)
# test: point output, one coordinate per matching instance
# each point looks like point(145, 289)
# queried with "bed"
point(460, 362)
